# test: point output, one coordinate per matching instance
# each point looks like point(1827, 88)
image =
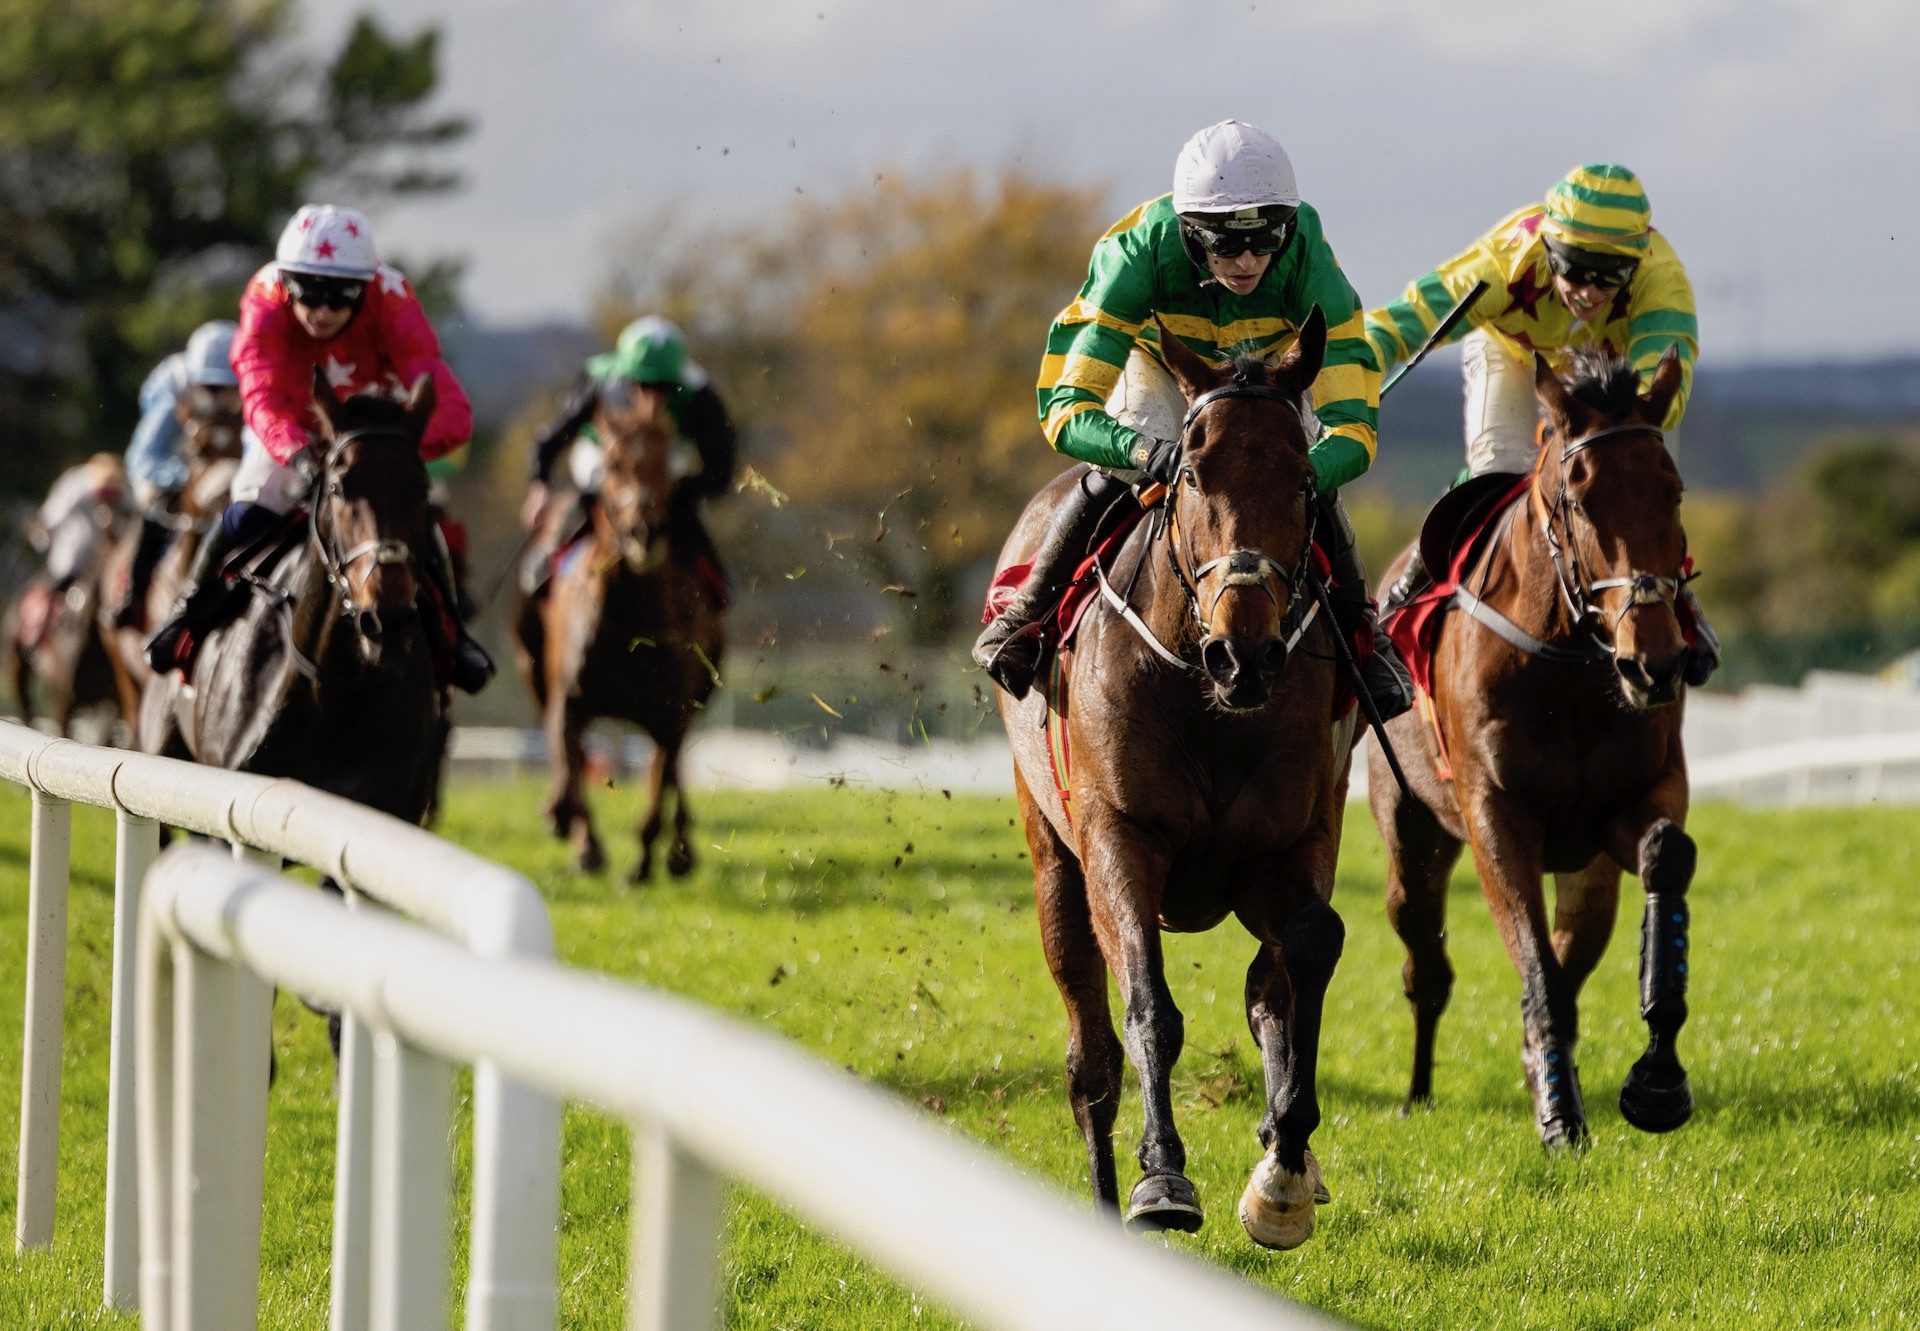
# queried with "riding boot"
point(1383, 674)
point(1704, 657)
point(201, 602)
point(154, 539)
point(1010, 648)
point(472, 667)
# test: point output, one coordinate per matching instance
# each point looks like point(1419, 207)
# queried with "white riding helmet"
point(1230, 166)
point(329, 241)
point(210, 355)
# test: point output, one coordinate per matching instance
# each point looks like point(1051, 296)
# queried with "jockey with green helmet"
point(1582, 267)
point(1233, 262)
point(652, 354)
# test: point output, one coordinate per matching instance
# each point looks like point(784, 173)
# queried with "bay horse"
point(626, 629)
point(48, 633)
point(210, 427)
point(1557, 700)
point(1208, 777)
point(327, 675)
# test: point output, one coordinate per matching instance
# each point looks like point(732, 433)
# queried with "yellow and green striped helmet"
point(1600, 208)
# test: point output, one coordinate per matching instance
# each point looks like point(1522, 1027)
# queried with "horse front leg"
point(1420, 858)
point(567, 812)
point(1301, 941)
point(649, 829)
point(1126, 874)
point(1656, 1096)
point(1507, 852)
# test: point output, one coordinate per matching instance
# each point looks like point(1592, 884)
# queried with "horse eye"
point(1193, 482)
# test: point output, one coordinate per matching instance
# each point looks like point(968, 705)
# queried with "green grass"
point(893, 934)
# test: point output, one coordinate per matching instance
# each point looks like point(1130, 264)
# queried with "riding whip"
point(1360, 685)
point(1437, 336)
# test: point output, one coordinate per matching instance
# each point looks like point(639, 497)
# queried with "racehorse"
point(211, 445)
point(1557, 704)
point(1207, 777)
point(628, 629)
point(326, 675)
point(47, 632)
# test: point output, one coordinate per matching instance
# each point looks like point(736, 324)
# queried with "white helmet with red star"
point(328, 240)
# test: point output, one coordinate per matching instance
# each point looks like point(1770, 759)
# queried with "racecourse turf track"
point(892, 933)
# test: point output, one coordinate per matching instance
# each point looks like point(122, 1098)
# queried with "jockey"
point(651, 353)
point(325, 302)
point(196, 383)
point(66, 527)
point(1584, 266)
point(1236, 261)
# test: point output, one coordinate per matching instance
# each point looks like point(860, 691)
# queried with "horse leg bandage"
point(1666, 869)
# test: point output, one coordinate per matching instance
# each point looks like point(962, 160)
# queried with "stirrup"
point(1008, 664)
point(472, 667)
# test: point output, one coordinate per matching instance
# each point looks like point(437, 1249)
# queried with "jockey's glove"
point(306, 466)
point(1158, 458)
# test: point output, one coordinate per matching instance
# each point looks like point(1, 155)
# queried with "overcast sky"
point(1779, 142)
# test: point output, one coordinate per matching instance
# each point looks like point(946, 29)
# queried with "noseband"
point(385, 550)
point(1580, 594)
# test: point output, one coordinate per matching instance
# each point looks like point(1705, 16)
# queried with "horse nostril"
point(368, 623)
point(1216, 654)
point(1634, 672)
point(1273, 660)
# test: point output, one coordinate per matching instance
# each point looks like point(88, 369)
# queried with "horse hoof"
point(1414, 1103)
point(590, 859)
point(1653, 1108)
point(1565, 1134)
point(680, 860)
point(1277, 1207)
point(639, 873)
point(1163, 1201)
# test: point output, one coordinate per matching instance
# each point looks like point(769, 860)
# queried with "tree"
point(149, 152)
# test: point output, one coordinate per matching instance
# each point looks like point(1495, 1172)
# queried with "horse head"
point(633, 423)
point(1239, 512)
point(209, 417)
point(369, 507)
point(1610, 496)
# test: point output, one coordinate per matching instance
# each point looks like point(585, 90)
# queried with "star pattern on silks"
point(392, 281)
point(339, 372)
point(1526, 294)
point(352, 227)
point(324, 249)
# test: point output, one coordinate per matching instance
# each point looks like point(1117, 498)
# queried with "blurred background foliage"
point(878, 347)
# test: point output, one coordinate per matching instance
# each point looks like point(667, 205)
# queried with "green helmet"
point(649, 351)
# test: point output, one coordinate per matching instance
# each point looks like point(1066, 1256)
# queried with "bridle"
point(385, 550)
point(1236, 568)
point(1580, 593)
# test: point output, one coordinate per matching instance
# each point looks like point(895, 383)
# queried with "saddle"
point(1456, 530)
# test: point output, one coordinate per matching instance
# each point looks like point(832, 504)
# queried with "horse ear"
point(1658, 399)
point(1295, 371)
point(1192, 373)
point(325, 399)
point(1551, 392)
point(420, 402)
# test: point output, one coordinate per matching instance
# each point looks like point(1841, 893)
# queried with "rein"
point(385, 550)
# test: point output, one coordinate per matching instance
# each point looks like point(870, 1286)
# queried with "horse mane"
point(1603, 379)
point(1249, 371)
point(373, 410)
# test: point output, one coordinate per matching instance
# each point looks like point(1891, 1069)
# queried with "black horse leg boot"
point(199, 607)
point(472, 667)
point(1704, 658)
point(1010, 648)
point(1383, 674)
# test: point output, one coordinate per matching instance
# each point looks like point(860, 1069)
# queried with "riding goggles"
point(319, 292)
point(1229, 237)
point(1585, 268)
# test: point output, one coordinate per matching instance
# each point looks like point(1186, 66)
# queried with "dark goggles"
point(1268, 236)
point(1584, 268)
point(319, 292)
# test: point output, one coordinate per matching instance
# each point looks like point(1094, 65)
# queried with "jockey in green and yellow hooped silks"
point(1583, 267)
point(1232, 262)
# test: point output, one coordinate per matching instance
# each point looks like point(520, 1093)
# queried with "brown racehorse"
point(627, 629)
point(1207, 778)
point(327, 675)
point(211, 446)
point(1560, 708)
point(48, 633)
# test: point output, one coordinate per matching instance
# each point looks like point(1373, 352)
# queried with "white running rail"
point(489, 910)
point(707, 1098)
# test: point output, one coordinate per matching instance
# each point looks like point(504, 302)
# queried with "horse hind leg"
point(1420, 858)
point(1094, 1056)
point(567, 812)
point(661, 773)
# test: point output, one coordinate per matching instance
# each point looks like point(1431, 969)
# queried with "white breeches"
point(1147, 399)
point(265, 482)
